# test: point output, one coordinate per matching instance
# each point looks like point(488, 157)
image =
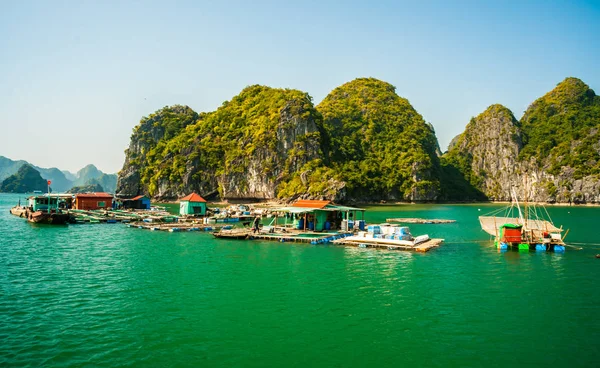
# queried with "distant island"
point(364, 143)
point(26, 179)
point(61, 180)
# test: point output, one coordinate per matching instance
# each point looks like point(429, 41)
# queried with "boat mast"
point(514, 194)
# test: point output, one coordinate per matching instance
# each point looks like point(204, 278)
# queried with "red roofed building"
point(93, 201)
point(192, 204)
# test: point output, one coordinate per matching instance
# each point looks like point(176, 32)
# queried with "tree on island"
point(26, 179)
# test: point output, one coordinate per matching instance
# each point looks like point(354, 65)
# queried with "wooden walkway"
point(408, 220)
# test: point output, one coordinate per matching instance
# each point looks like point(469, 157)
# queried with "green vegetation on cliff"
point(554, 144)
point(163, 124)
point(379, 144)
point(476, 155)
point(564, 125)
point(363, 142)
point(250, 131)
point(26, 179)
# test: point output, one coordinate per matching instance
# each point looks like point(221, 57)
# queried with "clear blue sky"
point(77, 76)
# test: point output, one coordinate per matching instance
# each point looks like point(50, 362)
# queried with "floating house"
point(93, 201)
point(140, 202)
point(318, 215)
point(192, 204)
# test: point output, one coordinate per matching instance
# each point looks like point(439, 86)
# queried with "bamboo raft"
point(409, 220)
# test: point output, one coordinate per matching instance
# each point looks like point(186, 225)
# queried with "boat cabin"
point(42, 203)
point(52, 201)
point(93, 201)
point(511, 233)
point(192, 204)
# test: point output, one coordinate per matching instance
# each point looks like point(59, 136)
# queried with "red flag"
point(49, 182)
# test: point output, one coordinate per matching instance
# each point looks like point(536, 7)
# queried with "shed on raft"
point(140, 202)
point(93, 201)
point(192, 204)
point(319, 215)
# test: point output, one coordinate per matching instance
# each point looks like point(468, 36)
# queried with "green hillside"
point(378, 142)
point(225, 142)
point(564, 125)
point(26, 179)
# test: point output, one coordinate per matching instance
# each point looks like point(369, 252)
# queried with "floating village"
point(304, 221)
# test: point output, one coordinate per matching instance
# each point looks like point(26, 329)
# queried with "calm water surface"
point(108, 295)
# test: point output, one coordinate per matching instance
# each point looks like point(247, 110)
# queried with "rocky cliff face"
point(241, 151)
point(486, 152)
point(166, 122)
point(552, 155)
point(296, 132)
point(365, 143)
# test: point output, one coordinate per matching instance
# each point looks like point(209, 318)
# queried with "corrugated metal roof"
point(93, 195)
point(193, 198)
point(309, 203)
point(346, 208)
point(138, 197)
point(329, 207)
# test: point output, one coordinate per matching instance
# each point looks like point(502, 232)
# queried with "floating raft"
point(408, 220)
point(389, 244)
point(172, 226)
point(311, 238)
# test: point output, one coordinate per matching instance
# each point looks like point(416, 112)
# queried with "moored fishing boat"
point(527, 228)
point(43, 209)
point(239, 233)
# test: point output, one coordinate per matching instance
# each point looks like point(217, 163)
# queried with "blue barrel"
point(311, 225)
point(301, 224)
point(540, 248)
point(559, 248)
point(327, 225)
point(361, 225)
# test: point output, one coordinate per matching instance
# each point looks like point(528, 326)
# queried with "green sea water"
point(107, 295)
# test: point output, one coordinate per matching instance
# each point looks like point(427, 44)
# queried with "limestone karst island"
point(364, 143)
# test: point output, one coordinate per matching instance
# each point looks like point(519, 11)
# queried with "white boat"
point(524, 228)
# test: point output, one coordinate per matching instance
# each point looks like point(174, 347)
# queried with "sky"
point(77, 76)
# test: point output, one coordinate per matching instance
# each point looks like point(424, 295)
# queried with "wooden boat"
point(524, 229)
point(240, 234)
point(42, 210)
point(51, 218)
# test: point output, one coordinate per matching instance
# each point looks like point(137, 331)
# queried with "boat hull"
point(226, 234)
point(40, 217)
